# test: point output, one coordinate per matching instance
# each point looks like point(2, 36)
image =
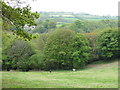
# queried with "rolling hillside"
point(69, 17)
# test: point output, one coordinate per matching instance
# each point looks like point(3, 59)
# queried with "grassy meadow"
point(102, 75)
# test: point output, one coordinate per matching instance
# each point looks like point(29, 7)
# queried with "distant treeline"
point(79, 26)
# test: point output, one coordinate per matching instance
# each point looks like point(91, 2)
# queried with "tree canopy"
point(108, 43)
point(67, 49)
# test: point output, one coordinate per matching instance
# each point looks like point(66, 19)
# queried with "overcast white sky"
point(96, 7)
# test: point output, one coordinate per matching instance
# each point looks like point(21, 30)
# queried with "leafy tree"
point(81, 51)
point(58, 48)
point(37, 61)
point(18, 17)
point(18, 55)
point(7, 39)
point(108, 43)
point(66, 49)
point(39, 42)
point(77, 26)
point(92, 38)
point(6, 42)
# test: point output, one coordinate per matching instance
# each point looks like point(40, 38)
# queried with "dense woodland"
point(29, 43)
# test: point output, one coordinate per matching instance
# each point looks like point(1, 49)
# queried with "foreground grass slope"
point(104, 75)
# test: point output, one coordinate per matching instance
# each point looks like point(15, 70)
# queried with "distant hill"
point(69, 17)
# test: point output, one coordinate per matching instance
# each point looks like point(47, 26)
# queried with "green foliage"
point(7, 39)
point(77, 26)
point(108, 43)
point(39, 42)
point(61, 49)
point(92, 38)
point(49, 24)
point(81, 51)
point(16, 52)
point(37, 62)
point(19, 17)
point(17, 55)
point(54, 47)
point(67, 49)
point(44, 26)
point(58, 47)
point(83, 26)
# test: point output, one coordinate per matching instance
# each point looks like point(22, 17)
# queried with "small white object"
point(74, 69)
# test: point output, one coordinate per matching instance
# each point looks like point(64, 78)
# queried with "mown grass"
point(94, 76)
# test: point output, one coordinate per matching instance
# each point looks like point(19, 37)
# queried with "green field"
point(102, 75)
